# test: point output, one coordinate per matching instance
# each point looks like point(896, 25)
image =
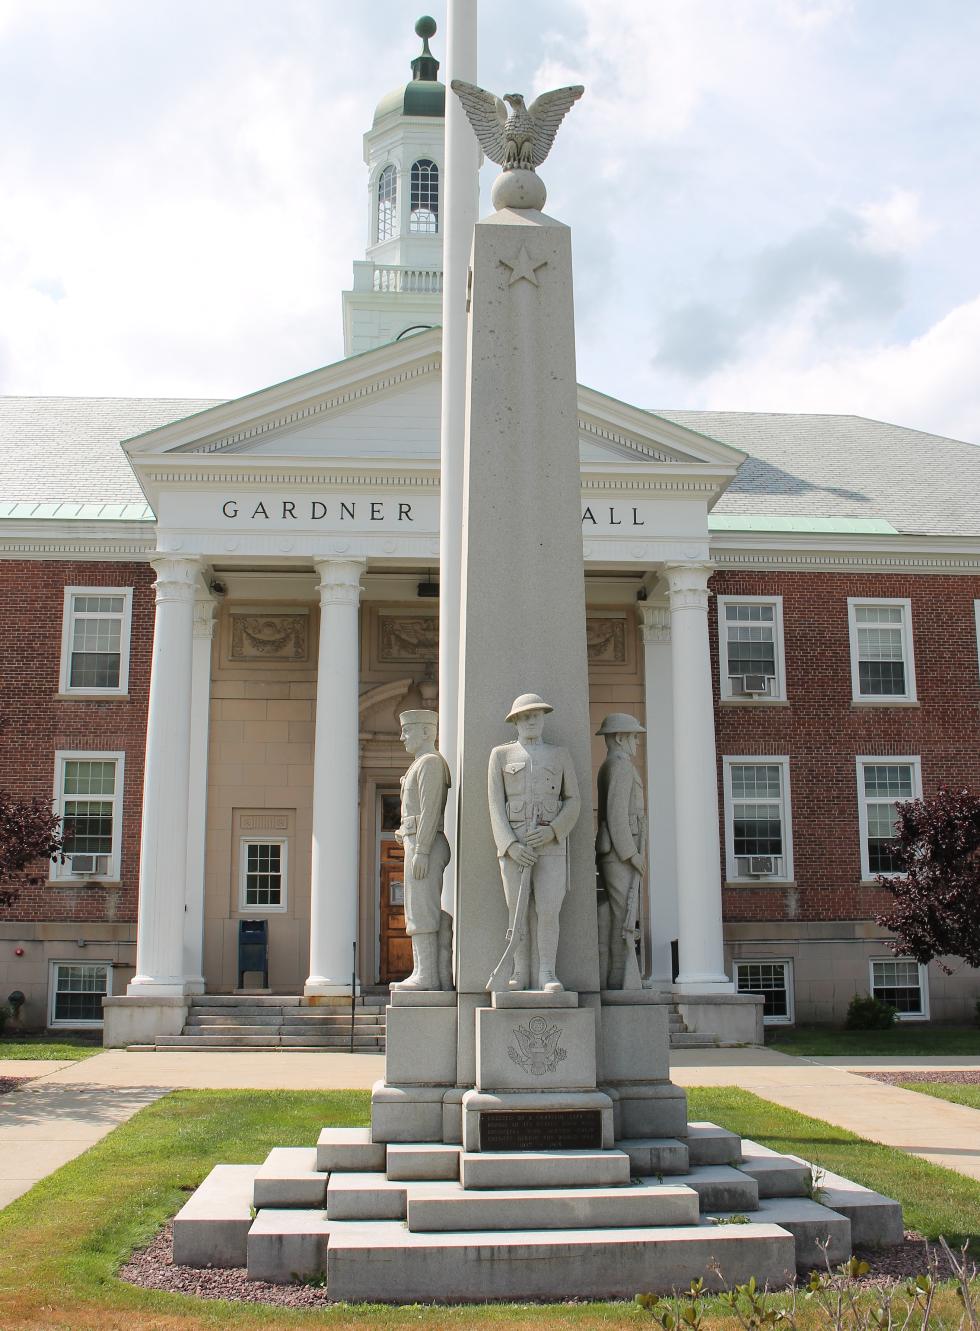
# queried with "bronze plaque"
point(541, 1130)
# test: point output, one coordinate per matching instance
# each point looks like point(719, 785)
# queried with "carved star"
point(523, 267)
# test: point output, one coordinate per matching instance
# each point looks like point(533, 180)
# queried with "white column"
point(702, 966)
point(333, 889)
point(461, 194)
point(197, 793)
point(163, 845)
point(661, 923)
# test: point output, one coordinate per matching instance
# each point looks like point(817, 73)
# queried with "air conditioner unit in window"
point(88, 866)
point(761, 865)
point(751, 685)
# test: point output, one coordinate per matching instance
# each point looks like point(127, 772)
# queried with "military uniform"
point(533, 786)
point(621, 826)
point(423, 799)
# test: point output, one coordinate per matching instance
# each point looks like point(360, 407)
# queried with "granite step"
point(289, 1177)
point(777, 1175)
point(707, 1144)
point(654, 1156)
point(211, 1228)
point(812, 1226)
point(458, 1209)
point(876, 1220)
point(487, 1170)
point(349, 1150)
point(421, 1161)
point(721, 1188)
point(385, 1261)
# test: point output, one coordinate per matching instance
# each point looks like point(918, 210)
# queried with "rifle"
point(505, 966)
point(631, 971)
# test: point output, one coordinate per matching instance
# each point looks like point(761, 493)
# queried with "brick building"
point(271, 562)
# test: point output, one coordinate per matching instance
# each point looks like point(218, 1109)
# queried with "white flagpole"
point(460, 206)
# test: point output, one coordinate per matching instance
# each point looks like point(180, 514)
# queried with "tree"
point(29, 831)
point(936, 911)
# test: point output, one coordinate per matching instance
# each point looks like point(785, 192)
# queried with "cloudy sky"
point(774, 202)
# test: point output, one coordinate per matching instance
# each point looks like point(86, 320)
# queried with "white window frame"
point(257, 912)
point(62, 872)
point(65, 687)
point(64, 1023)
point(923, 1013)
point(786, 811)
point(908, 651)
point(725, 684)
point(787, 964)
point(881, 760)
point(976, 616)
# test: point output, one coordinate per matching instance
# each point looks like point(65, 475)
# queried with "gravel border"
point(153, 1268)
point(8, 1084)
point(968, 1077)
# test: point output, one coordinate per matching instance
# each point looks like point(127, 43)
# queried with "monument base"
point(537, 1121)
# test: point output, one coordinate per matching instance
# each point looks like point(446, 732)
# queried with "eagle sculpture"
point(521, 140)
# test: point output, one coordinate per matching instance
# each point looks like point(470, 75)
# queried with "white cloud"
point(929, 383)
point(896, 224)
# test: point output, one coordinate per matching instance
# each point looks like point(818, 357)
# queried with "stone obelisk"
point(523, 595)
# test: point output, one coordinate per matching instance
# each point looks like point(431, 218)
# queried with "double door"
point(396, 946)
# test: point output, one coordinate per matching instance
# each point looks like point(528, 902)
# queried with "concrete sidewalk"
point(70, 1106)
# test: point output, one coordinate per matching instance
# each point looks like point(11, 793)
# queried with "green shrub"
point(977, 1017)
point(867, 1013)
point(6, 1012)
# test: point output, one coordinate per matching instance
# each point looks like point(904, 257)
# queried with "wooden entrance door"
point(396, 946)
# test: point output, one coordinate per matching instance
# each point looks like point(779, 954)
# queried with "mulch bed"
point(153, 1268)
point(963, 1077)
point(11, 1083)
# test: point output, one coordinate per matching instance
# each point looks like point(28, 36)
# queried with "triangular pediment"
point(384, 406)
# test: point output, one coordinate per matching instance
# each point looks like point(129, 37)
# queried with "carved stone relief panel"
point(407, 639)
point(268, 636)
point(606, 639)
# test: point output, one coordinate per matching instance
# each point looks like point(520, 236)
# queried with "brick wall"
point(822, 731)
point(34, 723)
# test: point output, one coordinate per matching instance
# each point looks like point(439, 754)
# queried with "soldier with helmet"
point(620, 843)
point(534, 804)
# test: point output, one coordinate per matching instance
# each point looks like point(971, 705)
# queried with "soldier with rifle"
point(621, 844)
point(534, 804)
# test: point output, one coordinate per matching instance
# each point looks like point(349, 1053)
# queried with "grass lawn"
point(42, 1046)
point(61, 1243)
point(957, 1094)
point(903, 1038)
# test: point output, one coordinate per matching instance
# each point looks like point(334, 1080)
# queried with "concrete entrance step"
point(693, 1040)
point(362, 1044)
point(384, 1260)
point(459, 1209)
point(486, 1170)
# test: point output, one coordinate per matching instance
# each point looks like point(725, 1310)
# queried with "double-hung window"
point(95, 641)
point(758, 835)
point(882, 659)
point(901, 982)
point(76, 992)
point(750, 648)
point(88, 796)
point(772, 979)
point(262, 870)
point(883, 783)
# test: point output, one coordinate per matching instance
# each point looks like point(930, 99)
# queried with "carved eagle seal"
point(521, 140)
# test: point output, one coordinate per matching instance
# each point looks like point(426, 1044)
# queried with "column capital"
point(340, 580)
point(687, 584)
point(654, 623)
point(205, 616)
point(177, 577)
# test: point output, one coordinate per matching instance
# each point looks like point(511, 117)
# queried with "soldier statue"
point(534, 804)
point(424, 788)
point(621, 844)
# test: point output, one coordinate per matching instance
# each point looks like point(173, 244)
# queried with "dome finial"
point(425, 67)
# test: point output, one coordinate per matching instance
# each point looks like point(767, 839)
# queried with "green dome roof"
point(424, 95)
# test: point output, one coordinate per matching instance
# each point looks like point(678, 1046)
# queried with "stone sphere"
point(518, 189)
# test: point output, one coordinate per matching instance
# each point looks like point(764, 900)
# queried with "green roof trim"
point(813, 525)
point(24, 511)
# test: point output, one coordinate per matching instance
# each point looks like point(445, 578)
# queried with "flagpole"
point(460, 206)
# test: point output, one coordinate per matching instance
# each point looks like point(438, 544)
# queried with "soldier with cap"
point(534, 804)
point(620, 839)
point(424, 788)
